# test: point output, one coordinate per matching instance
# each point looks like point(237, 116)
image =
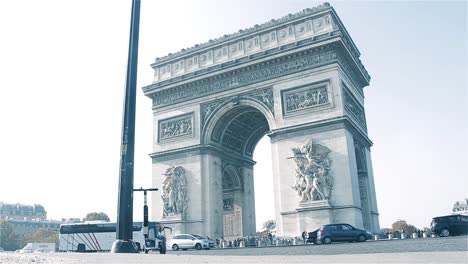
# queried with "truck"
point(38, 248)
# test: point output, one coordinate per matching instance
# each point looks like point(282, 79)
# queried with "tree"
point(96, 216)
point(45, 235)
point(8, 238)
point(402, 225)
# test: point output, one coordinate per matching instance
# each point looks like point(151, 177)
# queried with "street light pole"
point(124, 243)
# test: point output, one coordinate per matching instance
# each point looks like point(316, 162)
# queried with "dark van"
point(450, 225)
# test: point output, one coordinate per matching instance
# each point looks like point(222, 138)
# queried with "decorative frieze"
point(179, 126)
point(265, 71)
point(307, 97)
point(280, 35)
point(354, 108)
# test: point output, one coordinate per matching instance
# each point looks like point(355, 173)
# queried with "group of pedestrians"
point(256, 241)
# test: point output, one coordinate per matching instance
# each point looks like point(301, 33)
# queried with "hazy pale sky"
point(62, 80)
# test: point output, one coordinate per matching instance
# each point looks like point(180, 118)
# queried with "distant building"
point(22, 212)
point(27, 219)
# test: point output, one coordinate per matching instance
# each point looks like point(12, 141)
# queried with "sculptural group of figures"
point(313, 181)
point(174, 191)
point(176, 128)
point(311, 98)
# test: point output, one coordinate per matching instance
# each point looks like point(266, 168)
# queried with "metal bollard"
point(403, 235)
point(376, 237)
point(424, 235)
point(390, 236)
point(415, 235)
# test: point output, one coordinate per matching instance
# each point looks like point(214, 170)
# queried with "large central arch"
point(298, 80)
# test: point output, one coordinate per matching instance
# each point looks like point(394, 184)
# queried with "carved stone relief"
point(174, 192)
point(354, 108)
point(263, 95)
point(304, 98)
point(313, 178)
point(176, 127)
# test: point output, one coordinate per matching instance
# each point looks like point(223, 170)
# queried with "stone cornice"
point(242, 33)
point(315, 23)
point(190, 151)
point(304, 59)
point(325, 125)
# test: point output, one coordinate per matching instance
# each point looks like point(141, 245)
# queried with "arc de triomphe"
point(297, 79)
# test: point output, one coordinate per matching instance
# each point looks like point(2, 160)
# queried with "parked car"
point(450, 225)
point(341, 232)
point(189, 241)
point(312, 237)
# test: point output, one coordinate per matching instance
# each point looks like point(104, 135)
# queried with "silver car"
point(188, 241)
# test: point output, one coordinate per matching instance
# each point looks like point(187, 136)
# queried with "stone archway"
point(300, 81)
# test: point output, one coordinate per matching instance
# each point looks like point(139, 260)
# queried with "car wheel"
point(327, 240)
point(445, 232)
point(198, 247)
point(361, 238)
point(175, 247)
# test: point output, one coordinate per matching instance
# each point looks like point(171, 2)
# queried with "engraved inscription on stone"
point(304, 98)
point(232, 221)
point(176, 127)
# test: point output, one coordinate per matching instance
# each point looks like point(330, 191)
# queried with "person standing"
point(304, 237)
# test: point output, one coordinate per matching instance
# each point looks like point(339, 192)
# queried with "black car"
point(341, 232)
point(312, 237)
point(450, 225)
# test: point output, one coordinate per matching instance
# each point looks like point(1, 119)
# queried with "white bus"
point(99, 236)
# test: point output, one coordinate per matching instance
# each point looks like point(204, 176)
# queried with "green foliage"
point(8, 238)
point(45, 235)
point(402, 225)
point(96, 216)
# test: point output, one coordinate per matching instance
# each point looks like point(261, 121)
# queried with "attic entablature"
point(310, 23)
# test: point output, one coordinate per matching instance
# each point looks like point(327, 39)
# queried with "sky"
point(62, 81)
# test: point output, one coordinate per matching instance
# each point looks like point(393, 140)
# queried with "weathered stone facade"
point(298, 80)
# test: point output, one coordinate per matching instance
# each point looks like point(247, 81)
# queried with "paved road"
point(431, 250)
point(458, 243)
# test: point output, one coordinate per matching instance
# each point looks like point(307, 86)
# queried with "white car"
point(188, 241)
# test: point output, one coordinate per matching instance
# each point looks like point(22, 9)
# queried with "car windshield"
point(199, 237)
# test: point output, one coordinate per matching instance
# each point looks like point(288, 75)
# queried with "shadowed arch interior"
point(240, 129)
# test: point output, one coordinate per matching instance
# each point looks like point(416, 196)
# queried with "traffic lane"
point(459, 243)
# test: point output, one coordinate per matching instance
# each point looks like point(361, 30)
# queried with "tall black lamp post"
point(124, 243)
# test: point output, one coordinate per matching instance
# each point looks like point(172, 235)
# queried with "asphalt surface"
point(457, 243)
point(429, 250)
